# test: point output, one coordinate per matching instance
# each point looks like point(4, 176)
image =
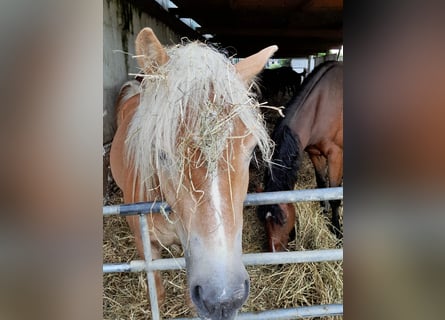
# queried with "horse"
point(278, 84)
point(313, 123)
point(187, 138)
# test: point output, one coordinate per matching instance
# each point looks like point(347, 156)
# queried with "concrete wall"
point(121, 23)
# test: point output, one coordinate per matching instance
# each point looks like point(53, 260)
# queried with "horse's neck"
point(302, 120)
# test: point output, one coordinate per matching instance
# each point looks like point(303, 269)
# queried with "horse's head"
point(204, 127)
point(280, 222)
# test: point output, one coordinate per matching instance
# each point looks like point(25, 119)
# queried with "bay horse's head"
point(192, 139)
point(279, 220)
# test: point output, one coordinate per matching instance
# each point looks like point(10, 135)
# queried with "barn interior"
point(301, 29)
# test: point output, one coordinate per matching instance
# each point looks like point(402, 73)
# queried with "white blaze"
point(218, 233)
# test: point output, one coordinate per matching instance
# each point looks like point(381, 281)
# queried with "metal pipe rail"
point(249, 259)
point(149, 266)
point(288, 314)
point(252, 199)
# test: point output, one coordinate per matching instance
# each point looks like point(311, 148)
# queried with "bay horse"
point(313, 123)
point(187, 138)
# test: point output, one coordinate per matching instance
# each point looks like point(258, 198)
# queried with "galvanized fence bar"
point(148, 260)
point(249, 259)
point(252, 199)
point(288, 314)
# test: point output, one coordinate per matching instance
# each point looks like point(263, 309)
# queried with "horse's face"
point(209, 208)
point(207, 197)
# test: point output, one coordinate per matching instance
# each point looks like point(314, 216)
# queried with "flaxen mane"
point(190, 103)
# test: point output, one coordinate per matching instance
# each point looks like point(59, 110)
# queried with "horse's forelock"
point(191, 101)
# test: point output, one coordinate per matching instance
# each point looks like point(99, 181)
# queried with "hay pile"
point(272, 287)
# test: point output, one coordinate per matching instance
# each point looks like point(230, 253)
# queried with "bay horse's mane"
point(286, 161)
point(287, 156)
point(189, 107)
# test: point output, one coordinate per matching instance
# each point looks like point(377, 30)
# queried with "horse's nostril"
point(196, 294)
point(240, 295)
point(247, 289)
point(200, 300)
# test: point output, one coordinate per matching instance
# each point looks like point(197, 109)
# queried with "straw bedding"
point(272, 287)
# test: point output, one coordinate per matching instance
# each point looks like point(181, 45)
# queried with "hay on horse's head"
point(190, 103)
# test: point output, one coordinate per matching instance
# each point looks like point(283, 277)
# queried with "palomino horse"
point(187, 139)
point(313, 123)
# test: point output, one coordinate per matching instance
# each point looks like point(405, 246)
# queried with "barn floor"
point(272, 287)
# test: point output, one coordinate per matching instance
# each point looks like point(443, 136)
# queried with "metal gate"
point(149, 266)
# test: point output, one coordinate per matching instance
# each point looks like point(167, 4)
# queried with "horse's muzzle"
point(222, 303)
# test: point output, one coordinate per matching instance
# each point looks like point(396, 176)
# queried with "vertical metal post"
point(148, 259)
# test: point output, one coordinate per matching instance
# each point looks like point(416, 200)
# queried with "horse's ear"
point(150, 53)
point(249, 67)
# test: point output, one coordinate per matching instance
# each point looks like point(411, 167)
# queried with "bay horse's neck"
point(308, 85)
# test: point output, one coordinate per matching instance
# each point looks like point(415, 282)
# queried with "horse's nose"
point(221, 304)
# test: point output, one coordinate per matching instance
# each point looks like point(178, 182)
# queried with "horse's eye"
point(164, 159)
